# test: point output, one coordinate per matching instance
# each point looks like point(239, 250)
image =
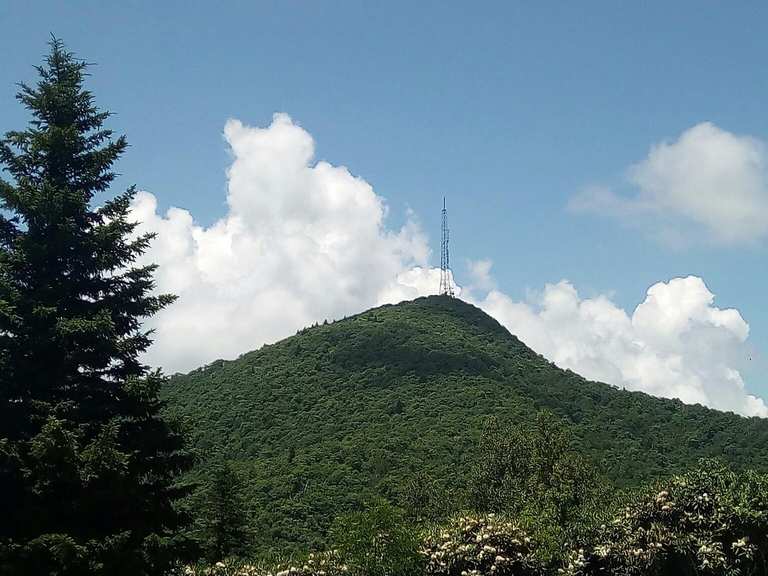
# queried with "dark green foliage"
point(87, 465)
point(425, 500)
point(378, 542)
point(710, 520)
point(341, 414)
point(224, 514)
point(530, 472)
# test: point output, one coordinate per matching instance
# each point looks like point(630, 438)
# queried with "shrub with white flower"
point(708, 521)
point(481, 545)
point(316, 564)
point(225, 568)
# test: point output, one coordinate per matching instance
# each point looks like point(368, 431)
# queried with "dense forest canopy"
point(346, 412)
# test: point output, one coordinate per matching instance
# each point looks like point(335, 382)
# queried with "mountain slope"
point(344, 412)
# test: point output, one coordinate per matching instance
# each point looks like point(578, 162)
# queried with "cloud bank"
point(304, 240)
point(675, 343)
point(709, 185)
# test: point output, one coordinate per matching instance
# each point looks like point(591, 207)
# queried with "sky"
point(604, 166)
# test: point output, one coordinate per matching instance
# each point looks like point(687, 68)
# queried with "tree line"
point(535, 507)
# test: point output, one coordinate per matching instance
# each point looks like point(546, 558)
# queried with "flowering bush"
point(709, 521)
point(480, 545)
point(322, 564)
point(228, 568)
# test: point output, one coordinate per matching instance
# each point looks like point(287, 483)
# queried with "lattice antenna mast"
point(446, 285)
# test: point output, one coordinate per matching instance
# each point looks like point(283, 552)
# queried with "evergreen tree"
point(226, 520)
point(87, 464)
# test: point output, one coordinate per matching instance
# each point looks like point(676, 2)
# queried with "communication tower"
point(446, 282)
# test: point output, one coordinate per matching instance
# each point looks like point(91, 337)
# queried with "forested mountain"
point(342, 413)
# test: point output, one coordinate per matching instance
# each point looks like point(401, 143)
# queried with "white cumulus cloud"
point(709, 184)
point(480, 277)
point(675, 344)
point(301, 241)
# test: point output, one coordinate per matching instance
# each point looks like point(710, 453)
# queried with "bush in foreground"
point(708, 521)
point(474, 545)
point(320, 564)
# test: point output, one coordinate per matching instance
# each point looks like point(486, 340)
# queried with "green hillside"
point(344, 412)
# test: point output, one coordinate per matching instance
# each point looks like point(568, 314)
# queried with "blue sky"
point(510, 110)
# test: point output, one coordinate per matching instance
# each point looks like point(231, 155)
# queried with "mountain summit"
point(352, 410)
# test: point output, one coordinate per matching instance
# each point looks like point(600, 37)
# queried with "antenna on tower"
point(446, 285)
